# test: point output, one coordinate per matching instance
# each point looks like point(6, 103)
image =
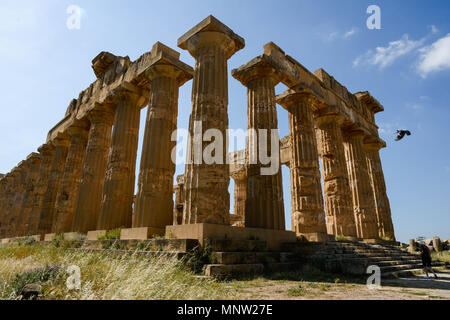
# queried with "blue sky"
point(405, 65)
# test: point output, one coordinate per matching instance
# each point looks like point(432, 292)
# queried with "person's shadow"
point(441, 283)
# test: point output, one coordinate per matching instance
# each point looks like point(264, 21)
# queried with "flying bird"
point(401, 134)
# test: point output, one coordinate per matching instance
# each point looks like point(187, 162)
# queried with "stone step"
point(169, 254)
point(231, 270)
point(406, 272)
point(252, 257)
point(168, 245)
point(394, 262)
point(237, 245)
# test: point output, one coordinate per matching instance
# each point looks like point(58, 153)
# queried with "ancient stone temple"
point(84, 179)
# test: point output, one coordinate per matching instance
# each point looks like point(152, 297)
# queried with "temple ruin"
point(82, 179)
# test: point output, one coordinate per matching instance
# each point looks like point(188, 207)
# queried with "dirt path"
point(414, 288)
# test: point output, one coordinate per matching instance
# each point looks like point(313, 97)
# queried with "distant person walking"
point(425, 254)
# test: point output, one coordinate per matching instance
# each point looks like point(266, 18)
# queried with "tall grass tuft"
point(104, 276)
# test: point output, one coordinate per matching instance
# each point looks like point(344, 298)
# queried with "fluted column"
point(32, 178)
point(211, 43)
point(308, 215)
point(94, 169)
point(363, 202)
point(178, 189)
point(264, 205)
point(118, 189)
point(154, 200)
point(3, 197)
point(12, 179)
point(21, 185)
point(240, 194)
point(46, 151)
point(61, 144)
point(338, 198)
point(382, 206)
point(68, 192)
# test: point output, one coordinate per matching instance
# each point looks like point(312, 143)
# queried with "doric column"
point(178, 189)
point(3, 197)
point(363, 203)
point(338, 198)
point(154, 200)
point(118, 189)
point(240, 194)
point(94, 169)
point(11, 180)
point(34, 161)
point(46, 151)
point(211, 43)
point(61, 143)
point(68, 192)
point(382, 206)
point(264, 206)
point(308, 216)
point(23, 168)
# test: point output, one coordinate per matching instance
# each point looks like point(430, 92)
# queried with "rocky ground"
point(412, 288)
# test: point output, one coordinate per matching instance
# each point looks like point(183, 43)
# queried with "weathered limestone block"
point(118, 189)
point(68, 192)
point(363, 202)
point(382, 206)
point(61, 143)
point(178, 189)
point(264, 205)
point(308, 216)
point(338, 198)
point(211, 43)
point(94, 169)
point(34, 160)
point(240, 195)
point(46, 151)
point(154, 200)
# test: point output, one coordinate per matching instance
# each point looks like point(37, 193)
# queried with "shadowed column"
point(34, 160)
point(94, 169)
point(46, 151)
point(3, 198)
point(308, 216)
point(338, 198)
point(118, 189)
point(382, 206)
point(240, 194)
point(154, 200)
point(264, 206)
point(211, 43)
point(363, 202)
point(61, 143)
point(21, 185)
point(11, 180)
point(68, 192)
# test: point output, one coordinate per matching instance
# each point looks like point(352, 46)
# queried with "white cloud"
point(338, 35)
point(350, 33)
point(386, 56)
point(434, 29)
point(435, 57)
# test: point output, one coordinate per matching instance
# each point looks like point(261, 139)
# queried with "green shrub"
point(39, 275)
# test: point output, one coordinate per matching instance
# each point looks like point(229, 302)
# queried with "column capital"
point(165, 62)
point(102, 114)
point(256, 68)
point(239, 175)
point(62, 140)
point(374, 145)
point(292, 97)
point(79, 128)
point(211, 33)
point(46, 149)
point(326, 119)
point(34, 158)
point(354, 133)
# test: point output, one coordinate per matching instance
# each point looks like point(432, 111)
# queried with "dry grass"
point(105, 276)
point(441, 256)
